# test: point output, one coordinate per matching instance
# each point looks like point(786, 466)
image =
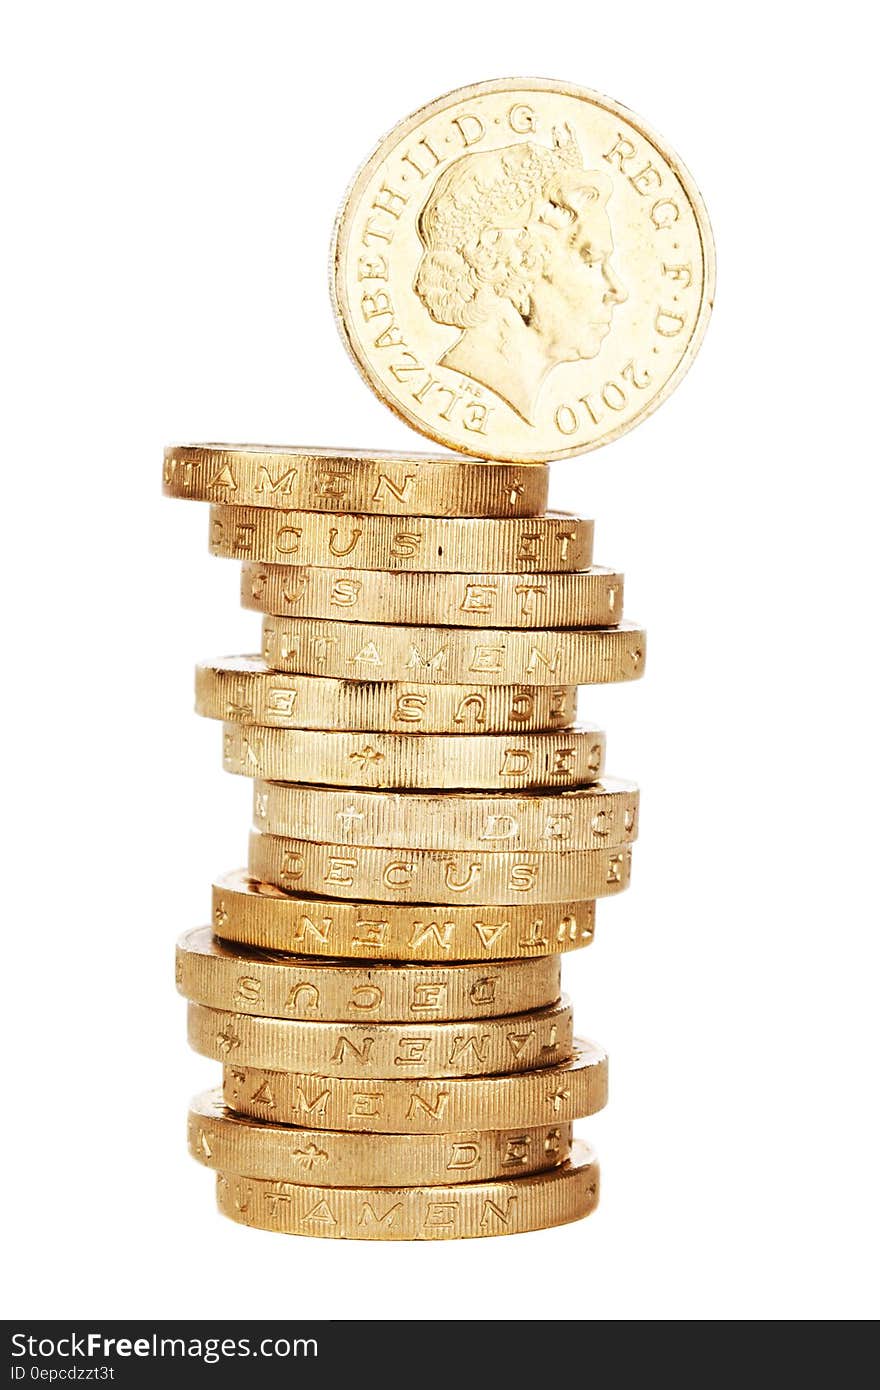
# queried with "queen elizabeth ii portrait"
point(517, 248)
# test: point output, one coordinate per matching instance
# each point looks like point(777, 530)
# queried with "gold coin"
point(465, 1047)
point(604, 813)
point(523, 270)
point(494, 656)
point(219, 1138)
point(407, 1105)
point(551, 541)
point(453, 1212)
point(438, 876)
point(562, 759)
point(586, 598)
point(256, 914)
point(351, 480)
point(243, 689)
point(248, 981)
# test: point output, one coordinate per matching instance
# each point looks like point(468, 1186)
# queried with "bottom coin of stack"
point(389, 1100)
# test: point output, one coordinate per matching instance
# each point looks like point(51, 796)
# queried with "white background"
point(171, 177)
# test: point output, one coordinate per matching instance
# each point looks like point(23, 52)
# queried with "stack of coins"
point(521, 271)
point(431, 831)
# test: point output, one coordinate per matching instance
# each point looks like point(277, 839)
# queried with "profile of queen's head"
point(516, 254)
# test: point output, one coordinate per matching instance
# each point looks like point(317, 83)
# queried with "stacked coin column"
point(432, 829)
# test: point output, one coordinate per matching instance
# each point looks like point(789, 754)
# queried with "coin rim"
point(391, 806)
point(365, 465)
point(202, 944)
point(260, 907)
point(265, 1136)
